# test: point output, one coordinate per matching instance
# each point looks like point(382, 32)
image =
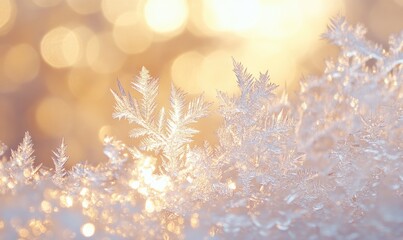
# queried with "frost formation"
point(328, 167)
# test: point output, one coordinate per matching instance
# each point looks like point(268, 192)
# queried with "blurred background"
point(60, 58)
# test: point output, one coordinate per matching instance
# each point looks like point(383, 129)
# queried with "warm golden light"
point(23, 233)
point(54, 117)
point(46, 206)
point(7, 14)
point(85, 85)
point(270, 57)
point(66, 55)
point(85, 204)
point(104, 131)
point(186, 166)
point(197, 74)
point(160, 183)
point(66, 201)
point(69, 201)
point(113, 9)
point(166, 15)
point(46, 3)
point(214, 74)
point(130, 35)
point(399, 2)
point(134, 184)
point(228, 15)
point(37, 227)
point(283, 19)
point(194, 220)
point(88, 230)
point(27, 173)
point(102, 54)
point(84, 191)
point(10, 185)
point(21, 63)
point(150, 207)
point(60, 47)
point(185, 71)
point(84, 7)
point(231, 185)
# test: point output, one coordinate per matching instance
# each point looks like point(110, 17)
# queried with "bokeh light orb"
point(216, 74)
point(165, 16)
point(113, 9)
point(60, 47)
point(185, 71)
point(84, 7)
point(84, 34)
point(130, 35)
point(46, 3)
point(21, 63)
point(88, 230)
point(282, 19)
point(7, 15)
point(104, 131)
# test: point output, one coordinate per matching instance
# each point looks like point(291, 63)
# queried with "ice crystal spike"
point(23, 156)
point(59, 160)
point(115, 151)
point(329, 166)
point(351, 39)
point(3, 149)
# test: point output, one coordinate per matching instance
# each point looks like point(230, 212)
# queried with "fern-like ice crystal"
point(328, 165)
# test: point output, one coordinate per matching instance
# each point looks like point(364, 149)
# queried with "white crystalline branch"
point(3, 149)
point(23, 155)
point(22, 160)
point(158, 132)
point(59, 160)
point(351, 39)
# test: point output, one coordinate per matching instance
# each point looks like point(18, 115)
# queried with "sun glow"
point(165, 16)
point(228, 15)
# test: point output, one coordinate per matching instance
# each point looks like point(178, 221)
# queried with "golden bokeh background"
point(60, 58)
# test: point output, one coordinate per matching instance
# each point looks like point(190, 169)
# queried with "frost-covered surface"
point(330, 167)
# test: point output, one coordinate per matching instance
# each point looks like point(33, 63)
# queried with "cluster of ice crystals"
point(328, 167)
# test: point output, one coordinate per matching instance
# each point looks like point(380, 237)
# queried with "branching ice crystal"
point(59, 160)
point(166, 134)
point(328, 167)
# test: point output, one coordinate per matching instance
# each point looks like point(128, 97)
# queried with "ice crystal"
point(328, 167)
point(168, 135)
point(3, 149)
point(59, 160)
